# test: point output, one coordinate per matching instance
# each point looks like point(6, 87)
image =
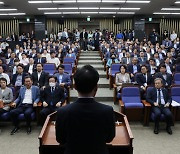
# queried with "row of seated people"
point(42, 81)
point(52, 96)
point(156, 105)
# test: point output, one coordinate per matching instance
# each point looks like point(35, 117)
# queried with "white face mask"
point(52, 84)
point(16, 63)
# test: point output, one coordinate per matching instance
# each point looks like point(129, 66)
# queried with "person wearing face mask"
point(52, 98)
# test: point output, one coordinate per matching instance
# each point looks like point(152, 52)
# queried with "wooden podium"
point(122, 143)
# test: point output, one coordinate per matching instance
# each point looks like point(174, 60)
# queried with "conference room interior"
point(31, 30)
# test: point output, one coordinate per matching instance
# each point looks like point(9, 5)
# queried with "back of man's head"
point(86, 79)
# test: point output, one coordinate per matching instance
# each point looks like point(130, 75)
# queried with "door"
point(26, 28)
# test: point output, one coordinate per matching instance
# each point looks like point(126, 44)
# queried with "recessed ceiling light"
point(125, 12)
point(113, 1)
point(143, 2)
point(89, 1)
point(107, 12)
point(123, 8)
point(47, 8)
point(109, 8)
point(68, 8)
point(1, 2)
point(89, 12)
point(52, 12)
point(70, 1)
point(177, 2)
point(14, 14)
point(39, 2)
point(167, 13)
point(88, 8)
point(8, 9)
point(170, 9)
point(71, 12)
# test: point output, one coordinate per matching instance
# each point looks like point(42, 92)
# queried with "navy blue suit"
point(158, 110)
point(85, 127)
point(166, 82)
point(27, 109)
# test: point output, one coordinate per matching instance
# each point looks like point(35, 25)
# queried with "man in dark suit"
point(52, 98)
point(143, 79)
point(134, 67)
point(96, 37)
point(85, 126)
point(160, 101)
point(18, 78)
point(83, 39)
point(27, 99)
point(166, 77)
point(40, 78)
point(39, 59)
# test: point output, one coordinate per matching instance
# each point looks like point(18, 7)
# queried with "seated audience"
point(4, 75)
point(27, 99)
point(160, 100)
point(122, 77)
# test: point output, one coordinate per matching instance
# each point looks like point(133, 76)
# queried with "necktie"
point(159, 96)
point(52, 89)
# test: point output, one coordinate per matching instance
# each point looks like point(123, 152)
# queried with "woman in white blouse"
point(122, 77)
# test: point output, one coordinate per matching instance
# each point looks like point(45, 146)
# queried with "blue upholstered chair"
point(114, 70)
point(49, 68)
point(131, 104)
point(72, 61)
point(175, 94)
point(68, 68)
point(177, 69)
point(177, 78)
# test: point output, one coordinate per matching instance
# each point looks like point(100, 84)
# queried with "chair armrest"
point(121, 106)
point(146, 104)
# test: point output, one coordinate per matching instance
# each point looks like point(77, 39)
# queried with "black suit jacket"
point(140, 79)
point(130, 68)
point(85, 127)
point(43, 80)
point(85, 35)
point(43, 60)
point(54, 97)
point(26, 68)
point(168, 78)
point(152, 96)
point(15, 77)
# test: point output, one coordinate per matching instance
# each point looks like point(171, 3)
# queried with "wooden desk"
point(122, 143)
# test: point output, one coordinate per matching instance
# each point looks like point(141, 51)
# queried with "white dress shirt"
point(28, 97)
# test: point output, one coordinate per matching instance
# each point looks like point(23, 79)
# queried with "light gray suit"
point(7, 97)
point(120, 79)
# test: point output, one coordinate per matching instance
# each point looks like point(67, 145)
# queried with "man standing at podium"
point(85, 126)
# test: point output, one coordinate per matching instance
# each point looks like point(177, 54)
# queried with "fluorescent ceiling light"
point(47, 8)
point(52, 12)
point(170, 9)
point(109, 8)
point(144, 2)
point(71, 12)
point(113, 1)
point(89, 1)
point(88, 8)
point(177, 2)
point(123, 8)
point(39, 2)
point(125, 12)
point(1, 2)
point(167, 13)
point(18, 14)
point(8, 9)
point(68, 8)
point(107, 12)
point(3, 14)
point(70, 1)
point(89, 12)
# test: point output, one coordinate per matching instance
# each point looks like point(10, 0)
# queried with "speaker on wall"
point(61, 21)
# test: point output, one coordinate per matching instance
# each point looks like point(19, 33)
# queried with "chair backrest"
point(115, 68)
point(68, 68)
point(68, 60)
point(49, 66)
point(149, 89)
point(131, 95)
point(177, 69)
point(175, 94)
point(177, 78)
